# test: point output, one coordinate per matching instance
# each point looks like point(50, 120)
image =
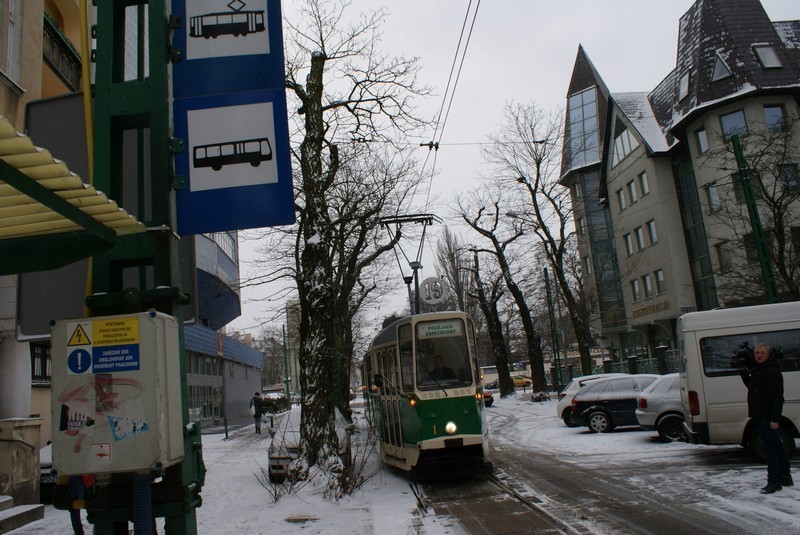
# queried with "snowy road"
point(629, 482)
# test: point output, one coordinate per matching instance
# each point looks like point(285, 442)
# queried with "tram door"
point(393, 426)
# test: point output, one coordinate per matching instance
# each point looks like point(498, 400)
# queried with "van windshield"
point(724, 355)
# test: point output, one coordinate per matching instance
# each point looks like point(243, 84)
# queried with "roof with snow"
point(717, 49)
point(718, 60)
point(636, 108)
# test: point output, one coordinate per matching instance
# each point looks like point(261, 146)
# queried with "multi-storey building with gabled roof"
point(659, 198)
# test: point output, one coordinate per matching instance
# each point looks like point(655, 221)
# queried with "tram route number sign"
point(432, 291)
point(229, 109)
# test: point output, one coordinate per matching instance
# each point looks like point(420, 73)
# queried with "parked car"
point(47, 479)
point(659, 407)
point(522, 380)
point(604, 404)
point(564, 405)
point(488, 398)
point(494, 384)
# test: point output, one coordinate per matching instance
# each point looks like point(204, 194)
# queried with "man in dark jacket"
point(764, 384)
point(257, 410)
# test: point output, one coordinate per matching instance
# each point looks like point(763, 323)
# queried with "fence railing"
point(60, 55)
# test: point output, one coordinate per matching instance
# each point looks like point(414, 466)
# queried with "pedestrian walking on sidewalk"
point(257, 410)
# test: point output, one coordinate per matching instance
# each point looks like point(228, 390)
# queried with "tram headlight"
point(450, 428)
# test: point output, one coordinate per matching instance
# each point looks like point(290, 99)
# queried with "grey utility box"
point(116, 403)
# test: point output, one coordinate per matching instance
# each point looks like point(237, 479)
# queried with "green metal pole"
point(142, 104)
point(553, 333)
point(285, 363)
point(770, 284)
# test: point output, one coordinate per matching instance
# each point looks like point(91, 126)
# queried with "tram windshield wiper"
point(432, 378)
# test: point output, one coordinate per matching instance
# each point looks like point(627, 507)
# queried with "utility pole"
point(142, 105)
point(770, 284)
point(553, 334)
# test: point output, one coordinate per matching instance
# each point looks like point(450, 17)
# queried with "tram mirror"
point(378, 380)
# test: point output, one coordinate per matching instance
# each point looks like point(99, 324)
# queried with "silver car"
point(659, 408)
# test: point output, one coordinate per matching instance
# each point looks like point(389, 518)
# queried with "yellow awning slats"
point(22, 215)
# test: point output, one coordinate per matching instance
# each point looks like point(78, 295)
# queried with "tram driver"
point(440, 372)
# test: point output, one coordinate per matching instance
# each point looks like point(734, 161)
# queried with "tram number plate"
point(453, 442)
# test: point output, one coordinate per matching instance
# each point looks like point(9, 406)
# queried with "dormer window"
point(721, 69)
point(683, 87)
point(624, 144)
point(766, 56)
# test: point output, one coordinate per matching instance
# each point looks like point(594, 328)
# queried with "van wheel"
point(670, 428)
point(567, 417)
point(754, 443)
point(599, 422)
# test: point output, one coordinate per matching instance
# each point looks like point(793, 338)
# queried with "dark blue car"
point(604, 404)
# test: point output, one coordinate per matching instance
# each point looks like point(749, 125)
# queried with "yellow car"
point(522, 380)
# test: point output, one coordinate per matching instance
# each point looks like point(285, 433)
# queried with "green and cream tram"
point(424, 396)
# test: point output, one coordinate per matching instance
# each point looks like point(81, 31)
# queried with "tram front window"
point(442, 355)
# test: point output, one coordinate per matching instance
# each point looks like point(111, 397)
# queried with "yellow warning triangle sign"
point(79, 337)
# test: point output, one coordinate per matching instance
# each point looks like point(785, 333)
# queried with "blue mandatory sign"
point(79, 361)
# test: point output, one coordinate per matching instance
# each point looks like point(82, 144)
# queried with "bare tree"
point(527, 152)
point(771, 153)
point(346, 91)
point(488, 290)
point(486, 222)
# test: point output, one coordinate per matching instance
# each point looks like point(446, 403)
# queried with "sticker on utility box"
point(103, 346)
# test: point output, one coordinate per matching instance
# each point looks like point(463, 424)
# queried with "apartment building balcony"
point(60, 55)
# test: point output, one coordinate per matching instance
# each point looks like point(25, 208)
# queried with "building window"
point(750, 250)
point(624, 144)
point(632, 191)
point(587, 265)
point(738, 186)
point(621, 200)
point(702, 140)
point(644, 185)
point(733, 124)
point(721, 70)
point(40, 362)
point(651, 231)
point(583, 128)
point(712, 195)
point(227, 241)
point(773, 116)
point(12, 65)
point(639, 238)
point(766, 56)
point(794, 232)
point(635, 293)
point(787, 174)
point(683, 87)
point(660, 286)
point(576, 192)
point(723, 250)
point(647, 284)
point(628, 244)
point(581, 226)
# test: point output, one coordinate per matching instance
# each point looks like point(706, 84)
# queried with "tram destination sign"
point(229, 109)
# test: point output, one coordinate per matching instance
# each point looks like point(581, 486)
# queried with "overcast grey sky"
point(520, 50)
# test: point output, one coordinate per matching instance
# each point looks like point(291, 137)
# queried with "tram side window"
point(382, 368)
point(406, 357)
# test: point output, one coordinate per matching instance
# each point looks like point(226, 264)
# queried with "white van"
point(713, 396)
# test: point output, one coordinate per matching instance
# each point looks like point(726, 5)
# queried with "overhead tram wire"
point(434, 145)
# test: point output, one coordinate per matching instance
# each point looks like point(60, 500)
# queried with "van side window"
point(719, 353)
